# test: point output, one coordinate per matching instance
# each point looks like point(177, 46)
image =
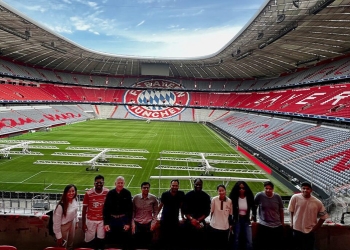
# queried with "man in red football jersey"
point(92, 216)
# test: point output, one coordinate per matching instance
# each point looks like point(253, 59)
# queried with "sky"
point(150, 28)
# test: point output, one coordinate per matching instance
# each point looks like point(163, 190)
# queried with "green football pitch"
point(148, 140)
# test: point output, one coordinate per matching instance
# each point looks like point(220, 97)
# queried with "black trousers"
point(117, 235)
point(264, 241)
point(195, 238)
point(219, 239)
point(169, 235)
point(303, 241)
point(143, 235)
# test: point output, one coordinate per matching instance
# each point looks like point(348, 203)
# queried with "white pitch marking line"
point(130, 180)
point(30, 177)
point(48, 186)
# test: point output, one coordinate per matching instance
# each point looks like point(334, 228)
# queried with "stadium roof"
point(282, 36)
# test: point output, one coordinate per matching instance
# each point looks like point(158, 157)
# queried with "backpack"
point(50, 224)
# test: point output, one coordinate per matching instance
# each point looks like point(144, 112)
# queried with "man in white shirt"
point(304, 210)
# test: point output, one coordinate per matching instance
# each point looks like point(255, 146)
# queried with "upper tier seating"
point(329, 100)
point(336, 69)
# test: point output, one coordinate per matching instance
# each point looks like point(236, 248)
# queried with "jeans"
point(243, 225)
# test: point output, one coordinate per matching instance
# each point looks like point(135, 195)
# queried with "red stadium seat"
point(55, 248)
point(8, 247)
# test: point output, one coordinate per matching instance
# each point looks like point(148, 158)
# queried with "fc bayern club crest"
point(154, 103)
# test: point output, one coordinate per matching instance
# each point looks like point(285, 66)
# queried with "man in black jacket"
point(196, 209)
point(117, 214)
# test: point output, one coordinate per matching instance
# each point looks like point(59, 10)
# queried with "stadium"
point(272, 104)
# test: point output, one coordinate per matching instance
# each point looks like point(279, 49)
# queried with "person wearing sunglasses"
point(242, 205)
point(92, 215)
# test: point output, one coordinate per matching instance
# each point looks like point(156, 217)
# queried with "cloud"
point(80, 23)
point(61, 29)
point(93, 5)
point(178, 30)
point(198, 13)
point(180, 43)
point(42, 6)
point(152, 1)
point(36, 8)
point(195, 43)
point(142, 22)
point(173, 26)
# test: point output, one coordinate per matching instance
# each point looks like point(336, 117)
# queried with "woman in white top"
point(221, 218)
point(65, 217)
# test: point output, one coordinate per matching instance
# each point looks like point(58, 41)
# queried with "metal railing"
point(29, 203)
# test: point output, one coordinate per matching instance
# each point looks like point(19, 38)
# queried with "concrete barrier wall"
point(31, 233)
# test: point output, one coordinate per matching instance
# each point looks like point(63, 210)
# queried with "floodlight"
point(280, 18)
point(260, 36)
point(296, 3)
point(244, 55)
point(320, 5)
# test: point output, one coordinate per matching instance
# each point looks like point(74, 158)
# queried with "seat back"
point(55, 248)
point(3, 247)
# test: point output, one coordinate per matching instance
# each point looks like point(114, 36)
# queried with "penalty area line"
point(30, 177)
point(130, 180)
point(46, 188)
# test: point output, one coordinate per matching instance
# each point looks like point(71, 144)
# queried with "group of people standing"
point(188, 221)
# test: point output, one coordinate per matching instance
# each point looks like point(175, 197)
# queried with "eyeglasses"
point(145, 187)
point(99, 182)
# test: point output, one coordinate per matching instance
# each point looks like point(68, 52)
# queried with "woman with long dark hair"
point(65, 217)
point(242, 203)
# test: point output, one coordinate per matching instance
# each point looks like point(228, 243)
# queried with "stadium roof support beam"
point(284, 31)
point(24, 35)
